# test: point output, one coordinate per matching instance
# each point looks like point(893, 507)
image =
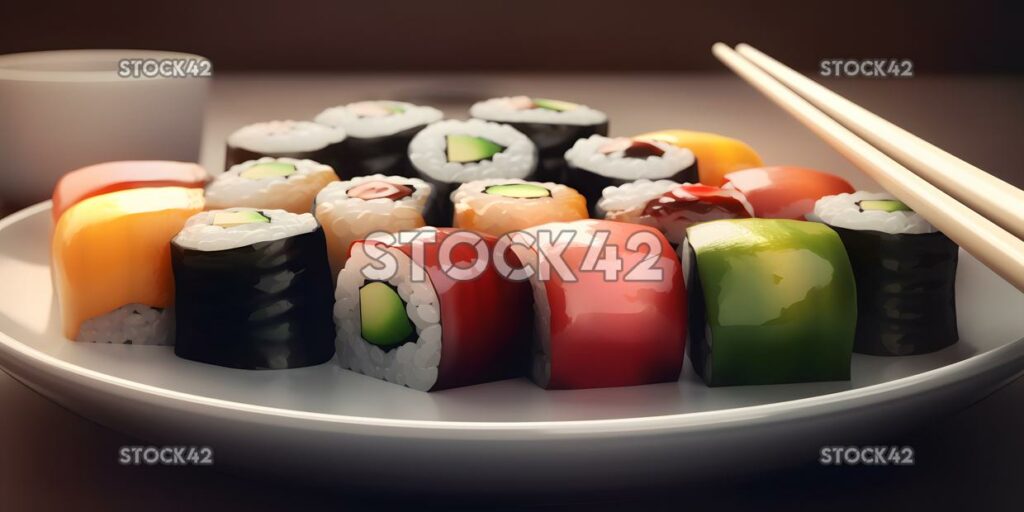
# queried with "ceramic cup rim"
point(44, 66)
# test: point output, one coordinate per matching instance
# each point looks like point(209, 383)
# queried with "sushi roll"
point(303, 140)
point(771, 301)
point(447, 154)
point(597, 325)
point(552, 125)
point(271, 183)
point(431, 331)
point(598, 162)
point(111, 264)
point(905, 271)
point(500, 206)
point(253, 290)
point(671, 207)
point(352, 210)
point(717, 155)
point(109, 177)
point(785, 192)
point(378, 135)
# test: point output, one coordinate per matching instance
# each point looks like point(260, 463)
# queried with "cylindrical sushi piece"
point(109, 177)
point(111, 264)
point(423, 327)
point(353, 209)
point(271, 183)
point(717, 155)
point(598, 162)
point(500, 206)
point(252, 290)
point(378, 135)
point(614, 315)
point(302, 140)
point(771, 301)
point(785, 192)
point(905, 271)
point(671, 207)
point(553, 126)
point(447, 154)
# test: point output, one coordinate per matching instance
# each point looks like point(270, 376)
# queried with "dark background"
point(526, 35)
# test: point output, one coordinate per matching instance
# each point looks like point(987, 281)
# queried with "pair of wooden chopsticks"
point(978, 211)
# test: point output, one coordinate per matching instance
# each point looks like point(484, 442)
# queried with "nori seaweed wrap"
point(905, 273)
point(553, 126)
point(255, 294)
point(378, 135)
point(599, 162)
point(301, 140)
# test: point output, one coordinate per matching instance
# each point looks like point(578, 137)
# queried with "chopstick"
point(992, 245)
point(994, 198)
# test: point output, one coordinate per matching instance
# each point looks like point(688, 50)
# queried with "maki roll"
point(111, 265)
point(447, 154)
point(598, 162)
point(552, 125)
point(271, 183)
point(500, 206)
point(253, 290)
point(716, 154)
point(595, 326)
point(671, 207)
point(378, 135)
point(771, 302)
point(352, 210)
point(785, 192)
point(109, 177)
point(905, 271)
point(303, 140)
point(430, 331)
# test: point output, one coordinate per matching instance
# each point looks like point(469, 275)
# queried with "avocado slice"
point(467, 148)
point(382, 316)
point(268, 170)
point(883, 205)
point(555, 105)
point(230, 219)
point(518, 190)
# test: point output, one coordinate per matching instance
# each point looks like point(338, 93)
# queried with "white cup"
point(62, 110)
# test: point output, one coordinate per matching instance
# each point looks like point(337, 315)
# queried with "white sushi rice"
point(285, 136)
point(134, 324)
point(231, 189)
point(345, 117)
point(586, 154)
point(503, 110)
point(843, 211)
point(202, 235)
point(631, 195)
point(428, 152)
point(413, 364)
point(346, 219)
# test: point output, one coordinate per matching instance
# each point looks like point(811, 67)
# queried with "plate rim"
point(12, 350)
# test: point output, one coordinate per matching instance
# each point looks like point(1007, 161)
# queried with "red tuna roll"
point(436, 330)
point(616, 316)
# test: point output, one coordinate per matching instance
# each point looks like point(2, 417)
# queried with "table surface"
point(51, 458)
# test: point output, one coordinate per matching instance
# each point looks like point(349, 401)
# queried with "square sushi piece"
point(771, 301)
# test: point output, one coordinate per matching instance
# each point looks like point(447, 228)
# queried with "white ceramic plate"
point(331, 425)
